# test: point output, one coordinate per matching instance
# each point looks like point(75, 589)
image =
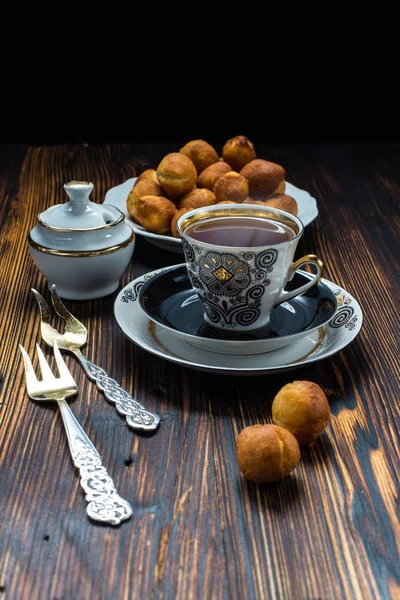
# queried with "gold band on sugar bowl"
point(82, 229)
point(81, 253)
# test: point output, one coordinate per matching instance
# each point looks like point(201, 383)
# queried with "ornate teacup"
point(239, 259)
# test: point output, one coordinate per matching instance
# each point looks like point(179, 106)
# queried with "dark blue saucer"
point(168, 299)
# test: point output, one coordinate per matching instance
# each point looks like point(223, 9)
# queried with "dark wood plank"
point(200, 530)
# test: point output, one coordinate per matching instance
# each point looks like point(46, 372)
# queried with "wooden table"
point(199, 530)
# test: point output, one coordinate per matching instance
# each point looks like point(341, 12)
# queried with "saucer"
point(307, 212)
point(164, 343)
point(168, 299)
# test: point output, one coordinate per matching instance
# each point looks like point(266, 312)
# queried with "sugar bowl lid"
point(79, 212)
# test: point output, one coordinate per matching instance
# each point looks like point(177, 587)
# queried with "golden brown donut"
point(144, 187)
point(281, 188)
point(177, 174)
point(148, 174)
point(266, 453)
point(178, 213)
point(155, 213)
point(249, 200)
point(263, 176)
point(201, 153)
point(209, 177)
point(283, 202)
point(231, 186)
point(147, 187)
point(302, 408)
point(197, 198)
point(238, 151)
point(131, 206)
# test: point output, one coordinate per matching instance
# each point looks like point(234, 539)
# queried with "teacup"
point(239, 258)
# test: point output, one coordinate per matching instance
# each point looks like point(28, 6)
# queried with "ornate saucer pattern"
point(345, 315)
point(160, 341)
point(168, 299)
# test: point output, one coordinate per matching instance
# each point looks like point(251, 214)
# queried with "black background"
point(305, 97)
point(277, 74)
point(307, 117)
point(59, 123)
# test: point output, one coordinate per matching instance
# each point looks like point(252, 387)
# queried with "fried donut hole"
point(283, 202)
point(145, 187)
point(238, 151)
point(201, 153)
point(197, 198)
point(155, 213)
point(231, 186)
point(177, 174)
point(209, 177)
point(302, 408)
point(249, 200)
point(131, 206)
point(148, 174)
point(266, 453)
point(178, 213)
point(263, 176)
point(281, 189)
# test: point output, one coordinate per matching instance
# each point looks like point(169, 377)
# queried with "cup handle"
point(307, 259)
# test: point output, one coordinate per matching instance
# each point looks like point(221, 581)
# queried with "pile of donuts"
point(197, 176)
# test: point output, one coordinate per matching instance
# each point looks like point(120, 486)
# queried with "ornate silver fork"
point(73, 338)
point(105, 505)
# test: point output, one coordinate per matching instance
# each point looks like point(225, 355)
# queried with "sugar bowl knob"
point(78, 193)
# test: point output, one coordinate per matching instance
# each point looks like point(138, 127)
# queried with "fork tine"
point(44, 366)
point(31, 379)
point(72, 322)
point(62, 367)
point(48, 332)
point(44, 308)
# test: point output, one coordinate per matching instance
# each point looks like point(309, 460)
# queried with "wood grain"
point(199, 530)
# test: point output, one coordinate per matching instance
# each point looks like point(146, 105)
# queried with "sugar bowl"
point(80, 246)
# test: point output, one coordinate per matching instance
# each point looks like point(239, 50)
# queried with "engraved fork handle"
point(105, 504)
point(136, 415)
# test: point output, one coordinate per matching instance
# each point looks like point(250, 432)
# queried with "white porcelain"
point(161, 342)
point(80, 224)
point(180, 312)
point(116, 196)
point(239, 286)
point(82, 247)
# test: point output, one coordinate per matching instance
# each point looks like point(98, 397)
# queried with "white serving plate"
point(307, 206)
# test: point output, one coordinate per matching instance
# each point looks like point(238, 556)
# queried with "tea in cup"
point(239, 258)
